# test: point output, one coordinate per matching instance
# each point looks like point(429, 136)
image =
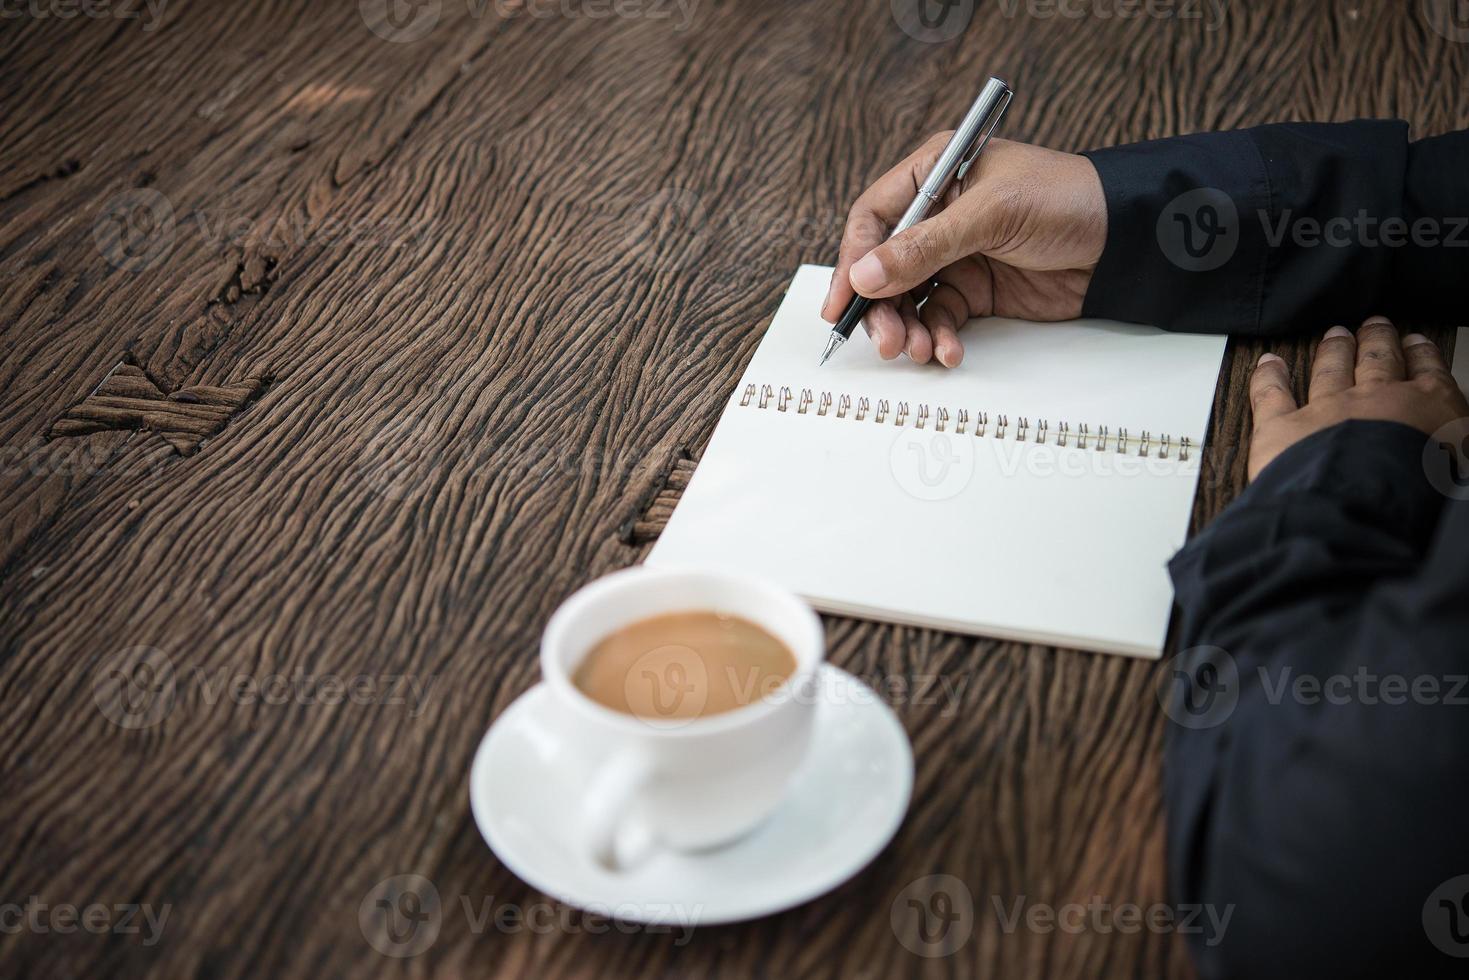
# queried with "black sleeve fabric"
point(1288, 227)
point(1323, 804)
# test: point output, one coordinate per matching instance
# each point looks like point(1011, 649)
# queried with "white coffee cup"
point(687, 784)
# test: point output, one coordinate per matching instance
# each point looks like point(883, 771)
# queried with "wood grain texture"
point(501, 278)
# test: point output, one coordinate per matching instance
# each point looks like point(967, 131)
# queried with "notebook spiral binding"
point(940, 418)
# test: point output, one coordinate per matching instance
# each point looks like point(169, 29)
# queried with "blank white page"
point(973, 533)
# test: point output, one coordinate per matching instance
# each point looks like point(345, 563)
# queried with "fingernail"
point(867, 275)
point(1266, 358)
point(1414, 339)
point(831, 287)
point(942, 353)
point(1373, 321)
point(1338, 332)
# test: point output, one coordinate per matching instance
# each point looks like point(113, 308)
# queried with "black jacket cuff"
point(1255, 231)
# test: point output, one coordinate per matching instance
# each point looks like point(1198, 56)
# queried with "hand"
point(1370, 376)
point(1019, 238)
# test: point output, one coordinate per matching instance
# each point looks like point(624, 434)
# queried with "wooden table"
point(327, 355)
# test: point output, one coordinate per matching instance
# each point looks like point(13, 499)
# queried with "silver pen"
point(962, 150)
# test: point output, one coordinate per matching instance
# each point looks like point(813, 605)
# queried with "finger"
point(1422, 359)
point(1333, 369)
point(863, 233)
point(972, 278)
point(1270, 395)
point(1379, 354)
point(919, 345)
point(909, 258)
point(885, 327)
point(873, 214)
point(943, 314)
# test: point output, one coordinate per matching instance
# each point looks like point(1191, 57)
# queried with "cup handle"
point(608, 802)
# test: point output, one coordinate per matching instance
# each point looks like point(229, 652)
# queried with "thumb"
point(912, 257)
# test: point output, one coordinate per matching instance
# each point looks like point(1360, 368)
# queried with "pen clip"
point(984, 137)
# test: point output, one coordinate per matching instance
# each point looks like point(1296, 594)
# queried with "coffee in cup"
point(688, 664)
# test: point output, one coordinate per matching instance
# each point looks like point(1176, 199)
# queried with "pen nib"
point(836, 340)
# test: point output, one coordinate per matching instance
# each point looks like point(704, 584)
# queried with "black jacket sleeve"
point(1317, 766)
point(1289, 227)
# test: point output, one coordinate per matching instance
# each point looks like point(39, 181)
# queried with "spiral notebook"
point(1034, 493)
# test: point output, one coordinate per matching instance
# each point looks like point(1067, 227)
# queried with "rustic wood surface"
point(412, 334)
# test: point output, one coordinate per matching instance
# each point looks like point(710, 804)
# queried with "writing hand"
point(1019, 236)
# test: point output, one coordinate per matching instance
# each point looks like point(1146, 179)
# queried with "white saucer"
point(844, 805)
